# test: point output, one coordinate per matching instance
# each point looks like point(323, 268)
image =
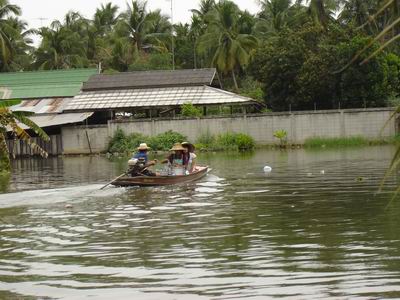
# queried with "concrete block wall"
point(76, 139)
point(299, 125)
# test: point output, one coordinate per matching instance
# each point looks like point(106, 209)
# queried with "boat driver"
point(140, 163)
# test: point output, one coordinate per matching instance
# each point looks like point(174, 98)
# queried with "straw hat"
point(143, 146)
point(177, 147)
point(190, 146)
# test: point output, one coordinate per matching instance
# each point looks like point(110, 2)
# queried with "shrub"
point(244, 141)
point(189, 110)
point(121, 143)
point(281, 134)
point(206, 139)
point(226, 141)
point(166, 140)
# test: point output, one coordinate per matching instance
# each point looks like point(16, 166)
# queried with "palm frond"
point(8, 103)
point(22, 117)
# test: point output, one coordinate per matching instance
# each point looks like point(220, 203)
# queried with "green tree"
point(297, 70)
point(18, 57)
point(60, 48)
point(6, 32)
point(229, 49)
point(143, 28)
point(105, 18)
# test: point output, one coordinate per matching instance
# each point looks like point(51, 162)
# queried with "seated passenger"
point(191, 156)
point(177, 160)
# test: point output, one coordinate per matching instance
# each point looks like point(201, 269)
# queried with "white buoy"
point(322, 172)
point(267, 169)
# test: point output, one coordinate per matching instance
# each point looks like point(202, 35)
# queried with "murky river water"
point(314, 228)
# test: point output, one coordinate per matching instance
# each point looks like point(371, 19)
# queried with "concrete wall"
point(299, 125)
point(76, 139)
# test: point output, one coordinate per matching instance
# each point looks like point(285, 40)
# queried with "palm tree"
point(388, 35)
point(105, 18)
point(12, 120)
point(19, 39)
point(143, 28)
point(60, 49)
point(230, 50)
point(6, 10)
point(205, 7)
point(321, 11)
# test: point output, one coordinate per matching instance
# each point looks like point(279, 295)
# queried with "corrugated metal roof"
point(146, 79)
point(43, 84)
point(155, 97)
point(58, 119)
point(42, 106)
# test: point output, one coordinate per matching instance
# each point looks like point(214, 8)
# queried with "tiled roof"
point(147, 79)
point(43, 84)
point(152, 97)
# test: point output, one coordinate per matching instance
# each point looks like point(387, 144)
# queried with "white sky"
point(48, 10)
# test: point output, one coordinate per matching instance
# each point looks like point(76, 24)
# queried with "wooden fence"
point(21, 148)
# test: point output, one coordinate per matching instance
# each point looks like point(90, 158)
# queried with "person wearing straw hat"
point(142, 161)
point(177, 160)
point(190, 156)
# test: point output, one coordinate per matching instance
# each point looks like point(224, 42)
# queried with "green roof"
point(43, 84)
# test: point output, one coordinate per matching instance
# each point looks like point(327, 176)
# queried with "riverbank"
point(126, 144)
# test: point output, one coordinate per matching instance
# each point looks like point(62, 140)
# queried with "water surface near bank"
point(314, 228)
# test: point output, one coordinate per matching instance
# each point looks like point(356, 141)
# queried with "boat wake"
point(68, 194)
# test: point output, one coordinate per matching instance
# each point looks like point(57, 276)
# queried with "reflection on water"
point(314, 228)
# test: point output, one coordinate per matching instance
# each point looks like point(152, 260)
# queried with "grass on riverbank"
point(354, 141)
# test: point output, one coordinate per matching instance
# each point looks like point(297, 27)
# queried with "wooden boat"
point(161, 180)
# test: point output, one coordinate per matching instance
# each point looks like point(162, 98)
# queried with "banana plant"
point(12, 121)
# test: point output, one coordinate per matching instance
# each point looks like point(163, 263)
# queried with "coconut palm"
point(11, 121)
point(6, 10)
point(229, 49)
point(322, 11)
point(60, 49)
point(19, 39)
point(105, 18)
point(143, 28)
point(388, 35)
point(205, 7)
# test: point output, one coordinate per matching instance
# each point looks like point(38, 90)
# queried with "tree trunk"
point(234, 81)
point(219, 80)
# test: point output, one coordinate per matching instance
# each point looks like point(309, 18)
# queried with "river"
point(315, 227)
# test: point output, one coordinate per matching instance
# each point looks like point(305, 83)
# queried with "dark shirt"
point(141, 155)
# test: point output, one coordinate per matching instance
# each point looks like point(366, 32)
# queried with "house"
point(46, 93)
point(151, 94)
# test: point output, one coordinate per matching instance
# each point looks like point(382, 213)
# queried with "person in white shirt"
point(191, 156)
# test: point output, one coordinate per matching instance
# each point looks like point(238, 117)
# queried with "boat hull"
point(161, 180)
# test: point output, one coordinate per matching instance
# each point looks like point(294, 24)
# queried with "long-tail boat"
point(198, 173)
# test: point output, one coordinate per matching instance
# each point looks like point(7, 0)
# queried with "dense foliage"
point(226, 141)
point(127, 144)
point(302, 54)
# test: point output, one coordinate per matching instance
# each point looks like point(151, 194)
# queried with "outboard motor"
point(136, 166)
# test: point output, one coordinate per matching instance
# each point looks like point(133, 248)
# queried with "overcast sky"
point(42, 12)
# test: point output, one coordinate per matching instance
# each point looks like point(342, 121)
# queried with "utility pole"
point(41, 20)
point(172, 34)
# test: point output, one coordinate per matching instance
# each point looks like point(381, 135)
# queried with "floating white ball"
point(267, 169)
point(322, 172)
